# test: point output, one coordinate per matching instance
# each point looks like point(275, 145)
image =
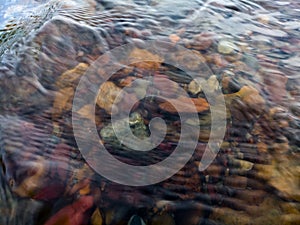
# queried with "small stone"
point(194, 86)
point(127, 81)
point(201, 41)
point(174, 38)
point(275, 83)
point(96, 218)
point(251, 97)
point(230, 85)
point(147, 59)
point(167, 88)
point(107, 95)
point(213, 83)
point(218, 60)
point(263, 19)
point(185, 105)
point(245, 165)
point(85, 112)
point(136, 124)
point(227, 47)
point(139, 87)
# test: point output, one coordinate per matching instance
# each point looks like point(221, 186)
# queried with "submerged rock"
point(227, 47)
point(185, 105)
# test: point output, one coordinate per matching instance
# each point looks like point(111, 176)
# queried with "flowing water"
point(248, 54)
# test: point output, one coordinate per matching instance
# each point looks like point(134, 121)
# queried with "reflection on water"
point(250, 52)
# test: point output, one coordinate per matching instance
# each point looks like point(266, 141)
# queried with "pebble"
point(174, 38)
point(108, 92)
point(183, 105)
point(148, 60)
point(213, 83)
point(194, 86)
point(227, 48)
point(97, 218)
point(140, 87)
point(167, 88)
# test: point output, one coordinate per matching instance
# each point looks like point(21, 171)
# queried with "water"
point(247, 52)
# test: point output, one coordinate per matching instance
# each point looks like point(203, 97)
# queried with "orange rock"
point(174, 38)
point(85, 112)
point(219, 60)
point(251, 97)
point(188, 60)
point(127, 81)
point(67, 84)
point(184, 105)
point(108, 92)
point(68, 78)
point(63, 100)
point(148, 60)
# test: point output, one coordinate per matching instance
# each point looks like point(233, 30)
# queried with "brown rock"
point(238, 182)
point(251, 97)
point(108, 93)
point(63, 100)
point(190, 62)
point(127, 81)
point(275, 82)
point(250, 196)
point(214, 170)
point(66, 84)
point(201, 41)
point(252, 101)
point(148, 60)
point(69, 77)
point(167, 88)
point(174, 38)
point(183, 105)
point(219, 60)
